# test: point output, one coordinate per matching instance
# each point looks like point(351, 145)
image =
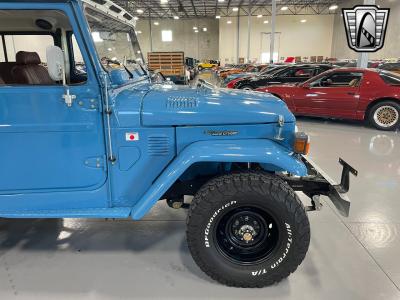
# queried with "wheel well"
point(375, 102)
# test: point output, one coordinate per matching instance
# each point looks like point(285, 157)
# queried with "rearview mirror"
point(56, 63)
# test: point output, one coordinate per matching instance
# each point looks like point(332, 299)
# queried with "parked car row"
point(325, 90)
point(368, 95)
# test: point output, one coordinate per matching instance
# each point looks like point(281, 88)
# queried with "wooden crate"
point(169, 63)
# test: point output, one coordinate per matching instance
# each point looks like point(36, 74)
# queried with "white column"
point(273, 23)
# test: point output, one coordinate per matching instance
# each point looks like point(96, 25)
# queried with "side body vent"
point(182, 102)
point(158, 145)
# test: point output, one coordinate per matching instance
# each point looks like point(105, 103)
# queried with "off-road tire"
point(227, 193)
point(392, 106)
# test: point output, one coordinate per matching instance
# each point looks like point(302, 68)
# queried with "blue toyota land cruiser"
point(87, 132)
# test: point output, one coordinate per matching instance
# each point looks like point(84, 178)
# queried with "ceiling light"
point(163, 1)
point(266, 22)
point(333, 7)
point(138, 32)
point(195, 28)
point(229, 22)
point(220, 1)
point(218, 17)
point(284, 8)
point(204, 29)
point(259, 16)
point(139, 11)
point(176, 17)
point(135, 18)
point(303, 21)
point(235, 9)
point(156, 23)
point(196, 31)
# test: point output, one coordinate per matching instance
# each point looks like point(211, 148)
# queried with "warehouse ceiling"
point(157, 9)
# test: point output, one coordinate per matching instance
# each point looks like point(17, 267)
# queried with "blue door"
point(46, 146)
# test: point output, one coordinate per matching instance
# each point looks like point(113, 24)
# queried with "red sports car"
point(346, 93)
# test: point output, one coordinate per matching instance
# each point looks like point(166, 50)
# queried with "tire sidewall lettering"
point(207, 230)
point(281, 258)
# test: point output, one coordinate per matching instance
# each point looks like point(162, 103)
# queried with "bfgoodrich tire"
point(385, 115)
point(247, 229)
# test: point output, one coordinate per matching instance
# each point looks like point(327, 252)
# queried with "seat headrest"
point(27, 58)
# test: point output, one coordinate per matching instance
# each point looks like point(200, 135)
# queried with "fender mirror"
point(56, 69)
point(56, 63)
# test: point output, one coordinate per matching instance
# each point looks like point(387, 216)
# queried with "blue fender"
point(255, 151)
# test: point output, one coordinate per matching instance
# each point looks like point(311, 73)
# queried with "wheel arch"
point(377, 101)
point(270, 155)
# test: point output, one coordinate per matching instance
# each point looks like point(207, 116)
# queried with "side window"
point(2, 56)
point(78, 66)
point(303, 72)
point(23, 47)
point(37, 43)
point(390, 78)
point(340, 79)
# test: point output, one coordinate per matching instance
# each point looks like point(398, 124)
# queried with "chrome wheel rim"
point(386, 116)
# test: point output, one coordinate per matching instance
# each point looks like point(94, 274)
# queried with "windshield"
point(116, 42)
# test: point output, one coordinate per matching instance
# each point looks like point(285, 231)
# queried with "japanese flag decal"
point(132, 136)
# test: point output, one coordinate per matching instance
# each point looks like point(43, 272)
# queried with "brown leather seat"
point(5, 72)
point(29, 71)
point(2, 81)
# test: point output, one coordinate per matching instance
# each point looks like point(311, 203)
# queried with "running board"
point(90, 213)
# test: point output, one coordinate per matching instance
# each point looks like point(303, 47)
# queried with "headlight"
point(301, 143)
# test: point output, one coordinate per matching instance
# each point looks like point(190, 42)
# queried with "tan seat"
point(2, 81)
point(29, 71)
point(354, 82)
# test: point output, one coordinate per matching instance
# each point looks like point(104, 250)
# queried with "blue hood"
point(171, 105)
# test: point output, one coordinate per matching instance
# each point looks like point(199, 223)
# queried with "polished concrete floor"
point(349, 258)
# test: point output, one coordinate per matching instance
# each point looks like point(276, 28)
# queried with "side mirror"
point(56, 69)
point(306, 86)
point(56, 63)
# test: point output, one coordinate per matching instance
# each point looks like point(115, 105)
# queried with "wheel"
point(247, 88)
point(385, 115)
point(247, 229)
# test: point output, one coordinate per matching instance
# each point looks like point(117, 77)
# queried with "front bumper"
point(318, 183)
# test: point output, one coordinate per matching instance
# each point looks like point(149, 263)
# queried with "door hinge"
point(97, 162)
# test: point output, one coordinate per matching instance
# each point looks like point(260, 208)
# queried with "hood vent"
point(158, 145)
point(182, 102)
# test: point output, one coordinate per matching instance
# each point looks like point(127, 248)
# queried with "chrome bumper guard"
point(318, 183)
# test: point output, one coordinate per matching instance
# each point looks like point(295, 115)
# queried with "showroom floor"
point(353, 258)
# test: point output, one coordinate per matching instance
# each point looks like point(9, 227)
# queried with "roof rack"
point(110, 8)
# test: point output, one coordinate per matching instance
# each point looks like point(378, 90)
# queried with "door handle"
point(351, 93)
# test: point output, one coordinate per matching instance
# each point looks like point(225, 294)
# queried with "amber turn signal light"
point(301, 143)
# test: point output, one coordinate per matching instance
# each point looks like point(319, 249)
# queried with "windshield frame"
point(132, 35)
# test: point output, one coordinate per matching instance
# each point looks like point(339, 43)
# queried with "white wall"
point(202, 45)
point(296, 39)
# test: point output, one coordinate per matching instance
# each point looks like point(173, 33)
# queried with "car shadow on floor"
point(85, 235)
